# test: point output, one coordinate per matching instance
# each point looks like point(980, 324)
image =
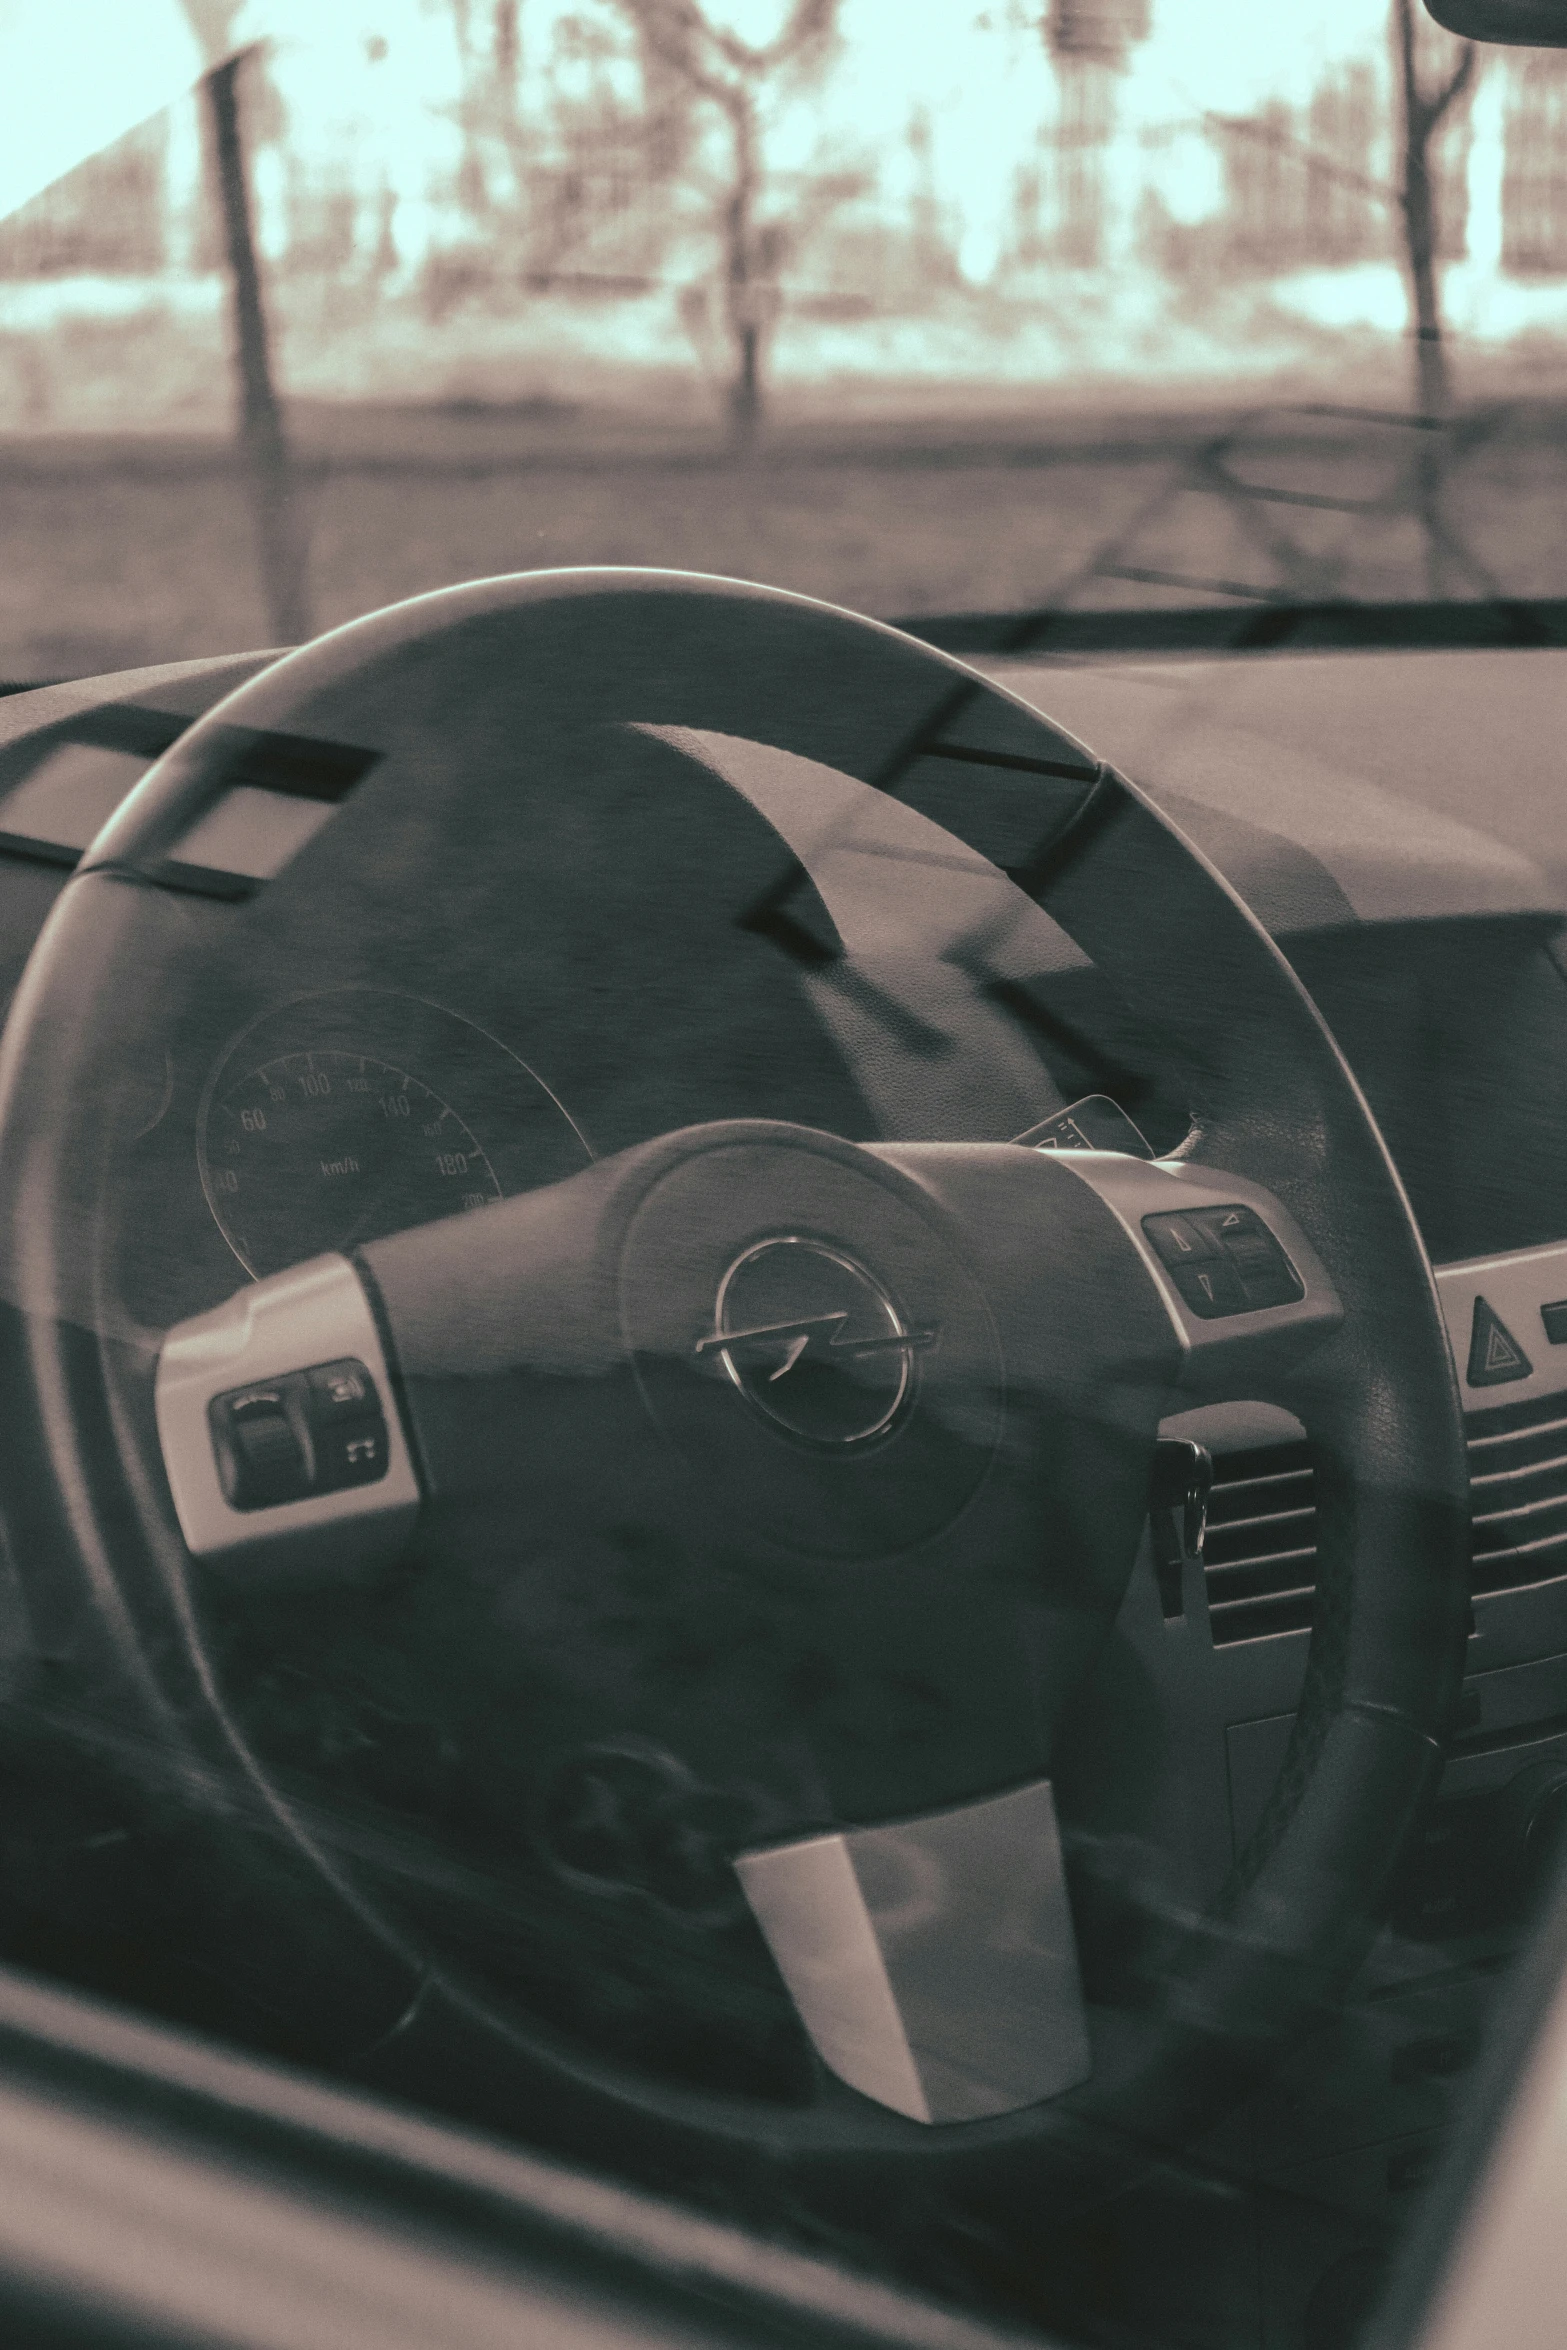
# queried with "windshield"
point(872, 1748)
point(1100, 306)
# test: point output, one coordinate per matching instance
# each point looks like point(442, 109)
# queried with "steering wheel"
point(739, 1516)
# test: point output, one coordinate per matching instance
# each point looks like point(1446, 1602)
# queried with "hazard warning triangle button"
point(1495, 1355)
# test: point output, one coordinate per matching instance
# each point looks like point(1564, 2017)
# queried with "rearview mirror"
point(1541, 24)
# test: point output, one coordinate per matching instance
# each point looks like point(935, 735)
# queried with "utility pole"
point(263, 442)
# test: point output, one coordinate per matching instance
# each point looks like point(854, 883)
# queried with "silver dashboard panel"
point(1515, 1287)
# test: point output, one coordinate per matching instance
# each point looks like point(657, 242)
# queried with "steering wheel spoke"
point(283, 1447)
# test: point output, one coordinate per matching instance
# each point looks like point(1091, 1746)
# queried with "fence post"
point(263, 442)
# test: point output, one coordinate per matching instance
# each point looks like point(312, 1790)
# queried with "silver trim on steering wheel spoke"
point(1216, 1349)
point(313, 1317)
point(932, 1960)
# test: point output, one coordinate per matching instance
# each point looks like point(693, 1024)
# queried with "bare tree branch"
point(1265, 134)
point(1463, 74)
point(1403, 17)
point(672, 30)
point(1423, 110)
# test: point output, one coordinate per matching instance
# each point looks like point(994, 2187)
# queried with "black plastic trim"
point(1269, 627)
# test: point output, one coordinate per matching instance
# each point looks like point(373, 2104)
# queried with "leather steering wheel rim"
point(88, 1514)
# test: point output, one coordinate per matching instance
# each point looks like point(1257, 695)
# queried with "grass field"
point(123, 550)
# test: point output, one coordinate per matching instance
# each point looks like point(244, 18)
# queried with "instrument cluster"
point(337, 1118)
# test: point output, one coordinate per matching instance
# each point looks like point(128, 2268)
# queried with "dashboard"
point(480, 1020)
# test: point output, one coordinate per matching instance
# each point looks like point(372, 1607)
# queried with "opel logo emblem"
point(814, 1342)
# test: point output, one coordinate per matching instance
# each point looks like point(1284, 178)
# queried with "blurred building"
point(1090, 44)
point(1534, 171)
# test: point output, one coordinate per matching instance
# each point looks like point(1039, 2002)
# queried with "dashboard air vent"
point(1260, 1551)
point(1260, 1559)
point(1518, 1480)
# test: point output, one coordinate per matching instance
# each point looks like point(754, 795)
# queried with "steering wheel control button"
point(1179, 1240)
point(347, 1425)
point(1225, 1261)
point(1257, 1295)
point(314, 1431)
point(1211, 1289)
point(263, 1453)
point(355, 1455)
point(282, 1449)
point(339, 1392)
point(1495, 1356)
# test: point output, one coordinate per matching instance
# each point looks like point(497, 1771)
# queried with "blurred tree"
point(734, 75)
point(506, 76)
point(1423, 107)
point(1325, 150)
point(489, 110)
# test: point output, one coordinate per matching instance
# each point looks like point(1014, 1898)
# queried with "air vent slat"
point(1258, 1488)
point(1521, 1457)
point(1504, 1482)
point(1527, 1549)
point(1263, 1579)
point(1259, 1499)
point(1259, 1555)
point(1261, 1619)
point(1290, 1535)
point(1518, 1476)
point(1491, 1527)
point(1498, 1421)
point(1484, 1441)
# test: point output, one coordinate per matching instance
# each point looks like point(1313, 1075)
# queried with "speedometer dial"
point(321, 1150)
point(337, 1119)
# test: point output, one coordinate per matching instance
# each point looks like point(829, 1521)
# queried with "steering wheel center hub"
point(807, 1334)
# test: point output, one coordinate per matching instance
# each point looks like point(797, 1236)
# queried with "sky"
point(53, 114)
